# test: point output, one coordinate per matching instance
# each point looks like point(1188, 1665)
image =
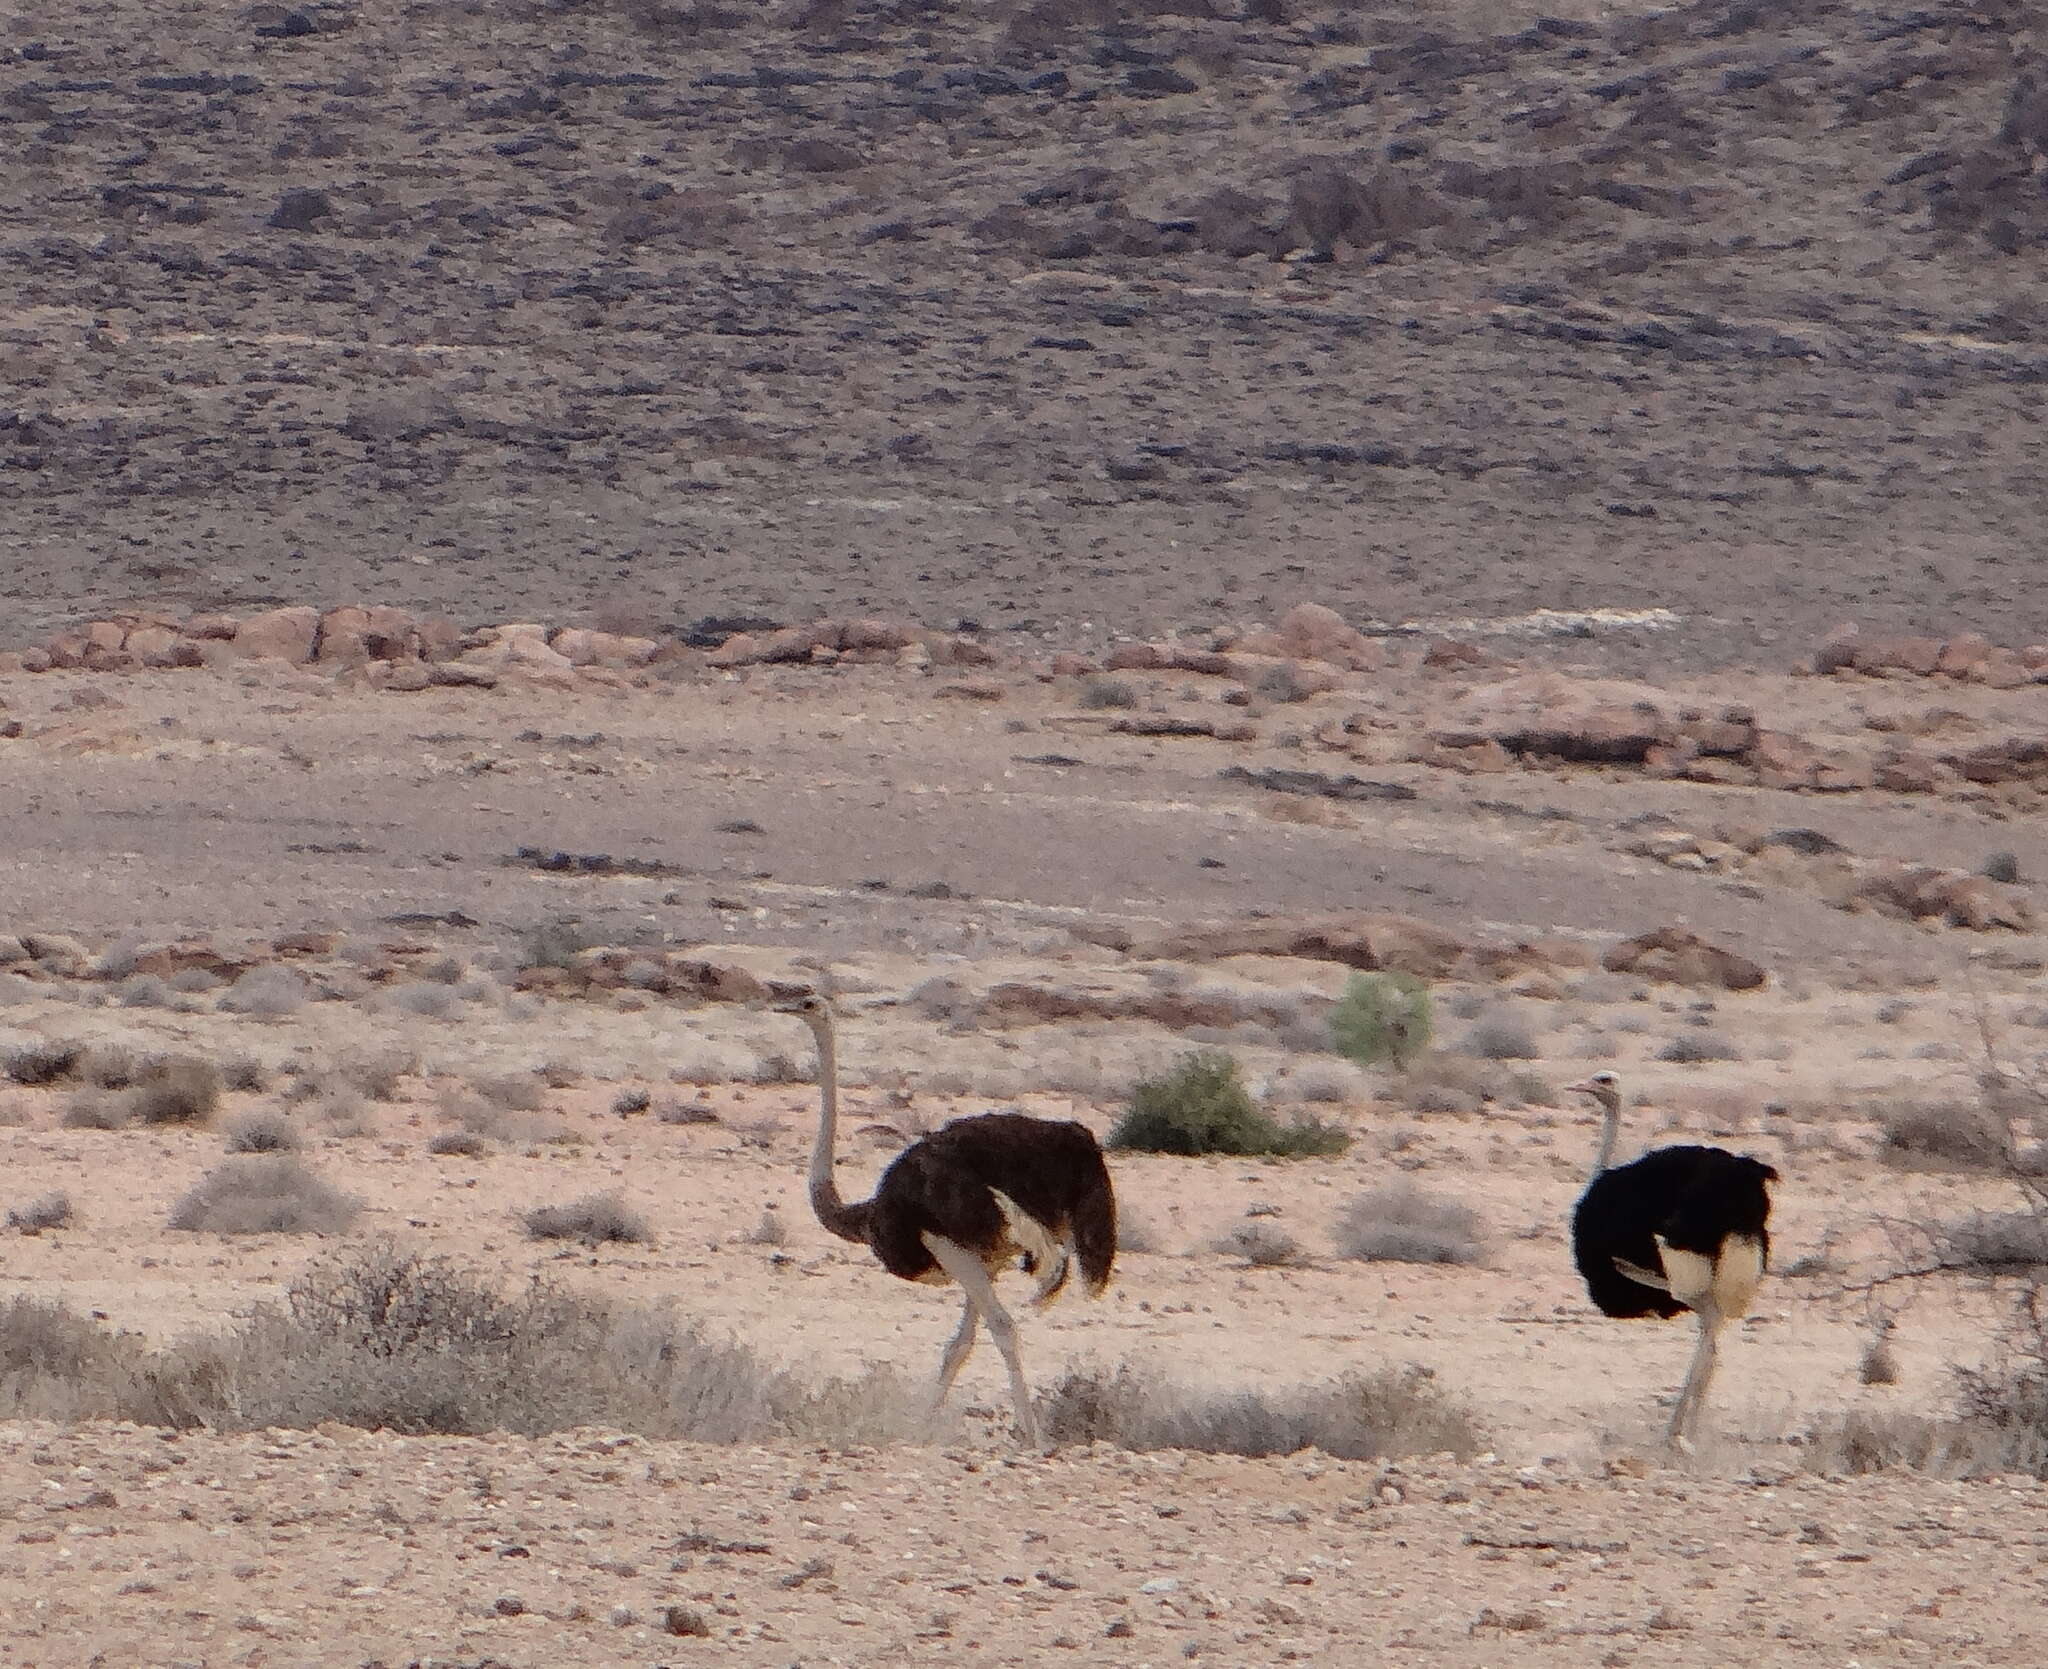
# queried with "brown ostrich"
point(967, 1201)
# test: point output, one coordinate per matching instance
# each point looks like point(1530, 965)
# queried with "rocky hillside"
point(1056, 314)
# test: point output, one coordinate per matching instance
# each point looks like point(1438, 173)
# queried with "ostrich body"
point(1681, 1228)
point(965, 1202)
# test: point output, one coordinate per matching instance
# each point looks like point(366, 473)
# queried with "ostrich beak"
point(1582, 1089)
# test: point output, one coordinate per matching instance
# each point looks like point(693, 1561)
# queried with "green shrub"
point(1202, 1106)
point(1382, 1017)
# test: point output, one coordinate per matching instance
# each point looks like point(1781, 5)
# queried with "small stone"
point(509, 1605)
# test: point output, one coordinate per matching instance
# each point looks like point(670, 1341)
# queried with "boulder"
point(1591, 721)
point(1137, 657)
point(1310, 631)
point(582, 647)
point(1918, 892)
point(283, 634)
point(1678, 956)
point(1371, 941)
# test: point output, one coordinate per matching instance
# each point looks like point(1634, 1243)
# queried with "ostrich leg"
point(958, 1349)
point(972, 1279)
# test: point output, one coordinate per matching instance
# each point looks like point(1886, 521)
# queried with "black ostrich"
point(1682, 1228)
point(966, 1202)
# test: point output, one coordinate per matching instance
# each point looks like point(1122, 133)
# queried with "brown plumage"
point(967, 1202)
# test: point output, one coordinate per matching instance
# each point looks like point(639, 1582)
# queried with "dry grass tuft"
point(383, 1339)
point(40, 1065)
point(458, 1144)
point(50, 1211)
point(1261, 1245)
point(263, 1132)
point(594, 1220)
point(1939, 1135)
point(182, 1090)
point(1402, 1223)
point(264, 1193)
point(1362, 1416)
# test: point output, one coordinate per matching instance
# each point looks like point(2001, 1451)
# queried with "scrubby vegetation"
point(264, 1193)
point(1401, 1223)
point(594, 1220)
point(1382, 1018)
point(1362, 1416)
point(1202, 1106)
point(387, 1340)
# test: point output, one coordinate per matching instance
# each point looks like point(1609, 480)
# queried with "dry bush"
point(1860, 1442)
point(516, 1092)
point(147, 991)
point(594, 1219)
point(1501, 1037)
point(1261, 1245)
point(458, 1144)
point(50, 1211)
point(1994, 1243)
point(377, 1076)
point(242, 1072)
point(262, 1132)
point(1327, 1082)
point(268, 992)
point(1100, 691)
point(1362, 1416)
point(89, 1110)
point(1939, 1135)
point(383, 1339)
point(429, 999)
point(181, 1090)
point(1696, 1048)
point(1878, 1365)
point(630, 1101)
point(39, 1065)
point(1402, 1223)
point(263, 1193)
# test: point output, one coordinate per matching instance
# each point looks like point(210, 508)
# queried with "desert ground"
point(1074, 529)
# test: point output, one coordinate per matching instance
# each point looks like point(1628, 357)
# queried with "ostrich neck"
point(1610, 1132)
point(847, 1222)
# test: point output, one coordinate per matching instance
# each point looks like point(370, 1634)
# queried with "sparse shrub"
point(1262, 1245)
point(1501, 1037)
point(1325, 1081)
point(90, 1110)
point(377, 1076)
point(1201, 1106)
point(1382, 1017)
point(1939, 1135)
point(1528, 1090)
point(769, 1231)
point(50, 1211)
point(1362, 1416)
point(1402, 1223)
point(384, 1339)
point(685, 1112)
point(594, 1219)
point(1135, 1231)
point(183, 1090)
point(242, 1072)
point(1994, 1242)
point(264, 1193)
point(2001, 866)
point(115, 1067)
point(1697, 1048)
point(516, 1092)
point(1878, 1366)
point(266, 992)
point(262, 1132)
point(145, 991)
point(458, 1144)
point(1101, 691)
point(776, 1066)
point(1890, 1013)
point(429, 999)
point(39, 1065)
point(556, 943)
point(635, 1100)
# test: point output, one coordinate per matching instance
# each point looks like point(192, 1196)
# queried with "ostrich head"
point(808, 1007)
point(1603, 1087)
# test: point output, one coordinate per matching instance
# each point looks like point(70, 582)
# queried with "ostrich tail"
point(1091, 1231)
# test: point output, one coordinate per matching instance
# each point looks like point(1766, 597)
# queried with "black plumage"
point(1682, 1228)
point(1693, 1198)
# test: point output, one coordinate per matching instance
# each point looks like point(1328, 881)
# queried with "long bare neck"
point(1610, 1132)
point(848, 1222)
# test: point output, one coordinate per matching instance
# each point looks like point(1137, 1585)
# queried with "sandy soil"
point(251, 804)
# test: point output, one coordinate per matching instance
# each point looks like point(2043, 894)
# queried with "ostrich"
point(962, 1203)
point(1681, 1228)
